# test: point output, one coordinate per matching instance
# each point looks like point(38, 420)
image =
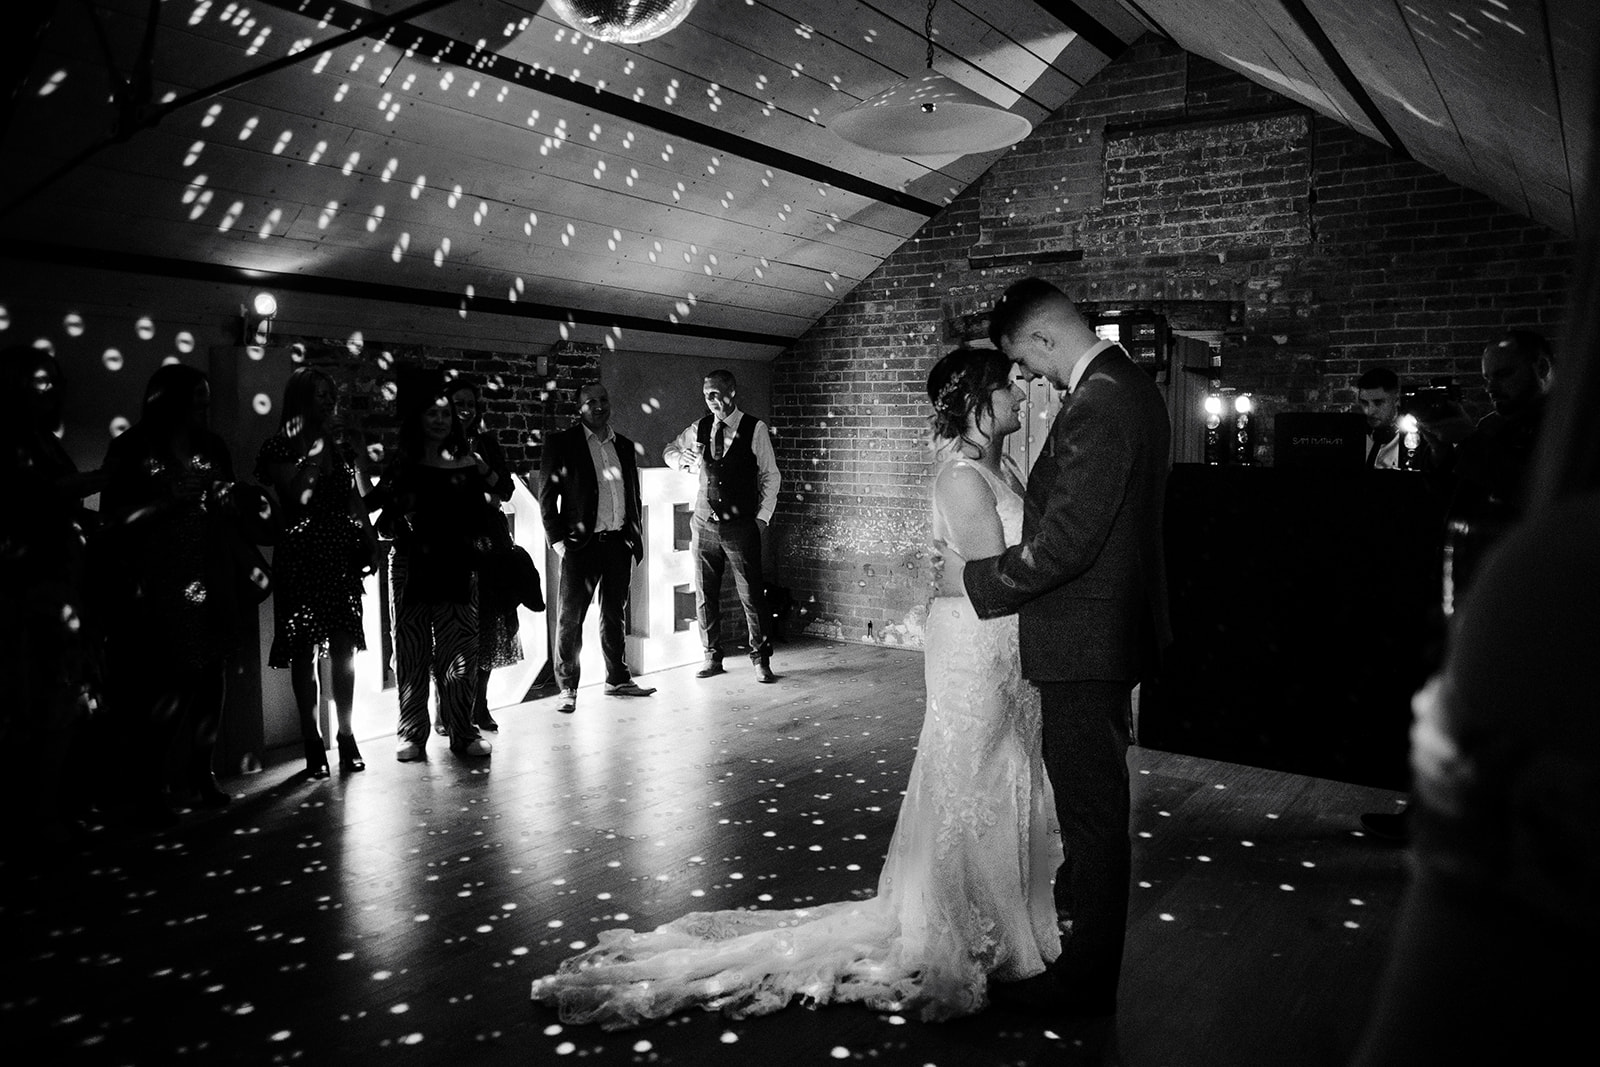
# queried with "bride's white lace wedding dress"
point(965, 891)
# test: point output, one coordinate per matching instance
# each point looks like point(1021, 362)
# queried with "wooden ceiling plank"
point(1249, 38)
point(701, 319)
point(1313, 33)
point(505, 69)
point(796, 106)
point(494, 138)
point(482, 246)
point(968, 46)
point(306, 246)
point(1382, 53)
point(1572, 27)
point(1480, 65)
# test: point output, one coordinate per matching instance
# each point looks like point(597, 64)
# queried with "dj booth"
point(1305, 611)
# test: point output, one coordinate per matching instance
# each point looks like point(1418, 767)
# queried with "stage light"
point(1244, 429)
point(1410, 441)
point(256, 317)
point(1213, 432)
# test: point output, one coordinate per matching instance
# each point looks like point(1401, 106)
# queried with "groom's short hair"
point(1018, 304)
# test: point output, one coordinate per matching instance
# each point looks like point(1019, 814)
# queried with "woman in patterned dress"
point(326, 548)
point(438, 512)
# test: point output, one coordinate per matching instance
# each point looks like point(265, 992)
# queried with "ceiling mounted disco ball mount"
point(622, 21)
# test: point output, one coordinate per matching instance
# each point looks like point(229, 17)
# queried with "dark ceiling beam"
point(364, 289)
point(446, 49)
point(1309, 26)
point(1138, 9)
point(1085, 25)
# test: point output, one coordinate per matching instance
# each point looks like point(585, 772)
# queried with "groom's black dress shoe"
point(1387, 826)
point(1046, 996)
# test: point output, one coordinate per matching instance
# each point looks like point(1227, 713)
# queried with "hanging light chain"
point(927, 32)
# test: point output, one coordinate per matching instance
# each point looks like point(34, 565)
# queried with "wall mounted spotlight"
point(1410, 441)
point(256, 317)
point(1244, 429)
point(1213, 444)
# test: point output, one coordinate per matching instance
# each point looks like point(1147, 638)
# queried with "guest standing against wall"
point(589, 498)
point(732, 453)
point(327, 547)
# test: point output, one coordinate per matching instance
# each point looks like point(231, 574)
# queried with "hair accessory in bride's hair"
point(947, 393)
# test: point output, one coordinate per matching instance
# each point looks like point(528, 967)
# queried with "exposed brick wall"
point(1167, 182)
point(524, 398)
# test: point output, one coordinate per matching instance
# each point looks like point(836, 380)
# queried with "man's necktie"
point(716, 442)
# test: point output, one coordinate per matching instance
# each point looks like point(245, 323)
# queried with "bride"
point(964, 895)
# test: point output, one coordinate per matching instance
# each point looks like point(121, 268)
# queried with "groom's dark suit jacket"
point(569, 492)
point(1088, 581)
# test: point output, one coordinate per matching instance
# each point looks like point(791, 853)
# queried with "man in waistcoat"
point(732, 453)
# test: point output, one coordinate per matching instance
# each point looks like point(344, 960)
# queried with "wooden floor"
point(398, 915)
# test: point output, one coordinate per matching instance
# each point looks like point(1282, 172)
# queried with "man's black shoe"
point(1386, 825)
point(712, 668)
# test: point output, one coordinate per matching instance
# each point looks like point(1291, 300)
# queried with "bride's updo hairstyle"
point(962, 387)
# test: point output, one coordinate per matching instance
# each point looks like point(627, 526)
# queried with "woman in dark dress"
point(498, 645)
point(172, 607)
point(326, 548)
point(438, 513)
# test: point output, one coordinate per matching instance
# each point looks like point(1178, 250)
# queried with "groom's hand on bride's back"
point(947, 567)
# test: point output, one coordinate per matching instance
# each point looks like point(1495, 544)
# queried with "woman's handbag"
point(508, 577)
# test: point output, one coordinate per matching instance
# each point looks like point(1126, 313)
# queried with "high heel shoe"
point(316, 759)
point(210, 794)
point(350, 759)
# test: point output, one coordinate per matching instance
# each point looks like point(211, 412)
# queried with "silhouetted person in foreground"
point(172, 609)
point(1493, 950)
point(48, 652)
point(1486, 475)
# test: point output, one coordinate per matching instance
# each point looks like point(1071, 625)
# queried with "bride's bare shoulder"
point(960, 485)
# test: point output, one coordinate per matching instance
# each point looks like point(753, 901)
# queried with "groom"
point(1088, 584)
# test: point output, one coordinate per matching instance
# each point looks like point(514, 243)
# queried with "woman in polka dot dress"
point(326, 548)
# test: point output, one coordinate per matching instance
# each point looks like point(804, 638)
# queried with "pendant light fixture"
point(929, 114)
point(623, 21)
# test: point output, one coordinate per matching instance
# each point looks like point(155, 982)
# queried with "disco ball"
point(622, 21)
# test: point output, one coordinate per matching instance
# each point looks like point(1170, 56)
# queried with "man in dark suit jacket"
point(1088, 585)
point(589, 497)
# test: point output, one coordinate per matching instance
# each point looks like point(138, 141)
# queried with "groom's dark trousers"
point(1086, 738)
